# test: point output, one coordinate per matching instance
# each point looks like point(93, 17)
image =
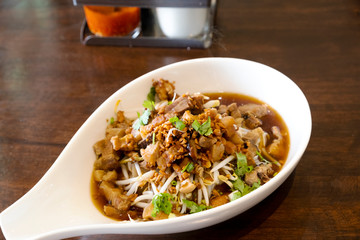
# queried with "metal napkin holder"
point(149, 34)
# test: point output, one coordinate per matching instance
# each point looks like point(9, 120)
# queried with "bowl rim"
point(191, 221)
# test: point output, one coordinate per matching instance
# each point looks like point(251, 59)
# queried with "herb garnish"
point(142, 120)
point(149, 105)
point(177, 123)
point(162, 203)
point(112, 120)
point(194, 207)
point(241, 169)
point(151, 94)
point(203, 129)
point(243, 188)
point(241, 164)
point(189, 167)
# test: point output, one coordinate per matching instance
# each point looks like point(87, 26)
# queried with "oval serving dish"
point(60, 205)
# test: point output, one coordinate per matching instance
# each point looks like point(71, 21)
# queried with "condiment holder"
point(164, 23)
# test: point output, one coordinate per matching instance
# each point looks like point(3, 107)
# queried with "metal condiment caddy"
point(149, 32)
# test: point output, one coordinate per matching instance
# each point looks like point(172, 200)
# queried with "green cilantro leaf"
point(162, 203)
point(194, 207)
point(149, 105)
point(142, 120)
point(235, 196)
point(112, 120)
point(151, 94)
point(238, 184)
point(243, 188)
point(177, 123)
point(203, 129)
point(242, 166)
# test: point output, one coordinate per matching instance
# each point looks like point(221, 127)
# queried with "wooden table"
point(50, 84)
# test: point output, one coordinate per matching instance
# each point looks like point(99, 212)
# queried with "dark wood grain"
point(50, 84)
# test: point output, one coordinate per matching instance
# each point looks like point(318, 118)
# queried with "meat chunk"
point(107, 162)
point(146, 141)
point(251, 121)
point(252, 114)
point(230, 147)
point(150, 154)
point(250, 152)
point(255, 109)
point(260, 173)
point(164, 89)
point(206, 142)
point(217, 151)
point(187, 186)
point(116, 197)
point(192, 149)
point(187, 117)
point(126, 143)
point(173, 153)
point(234, 111)
point(103, 147)
point(229, 124)
point(236, 138)
point(255, 136)
point(110, 176)
point(223, 109)
point(98, 175)
point(147, 213)
point(161, 163)
point(182, 175)
point(197, 103)
point(219, 200)
point(111, 132)
point(275, 148)
point(180, 105)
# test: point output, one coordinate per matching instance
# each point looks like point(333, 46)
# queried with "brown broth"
point(273, 118)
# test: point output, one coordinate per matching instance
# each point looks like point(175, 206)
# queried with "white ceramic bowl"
point(60, 205)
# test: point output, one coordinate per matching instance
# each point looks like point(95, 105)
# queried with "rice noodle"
point(174, 97)
point(143, 197)
point(148, 193)
point(124, 171)
point(199, 196)
point(243, 131)
point(223, 163)
point(227, 168)
point(216, 179)
point(154, 188)
point(137, 167)
point(141, 204)
point(168, 181)
point(205, 193)
point(133, 189)
point(177, 187)
point(183, 208)
point(232, 178)
point(145, 177)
